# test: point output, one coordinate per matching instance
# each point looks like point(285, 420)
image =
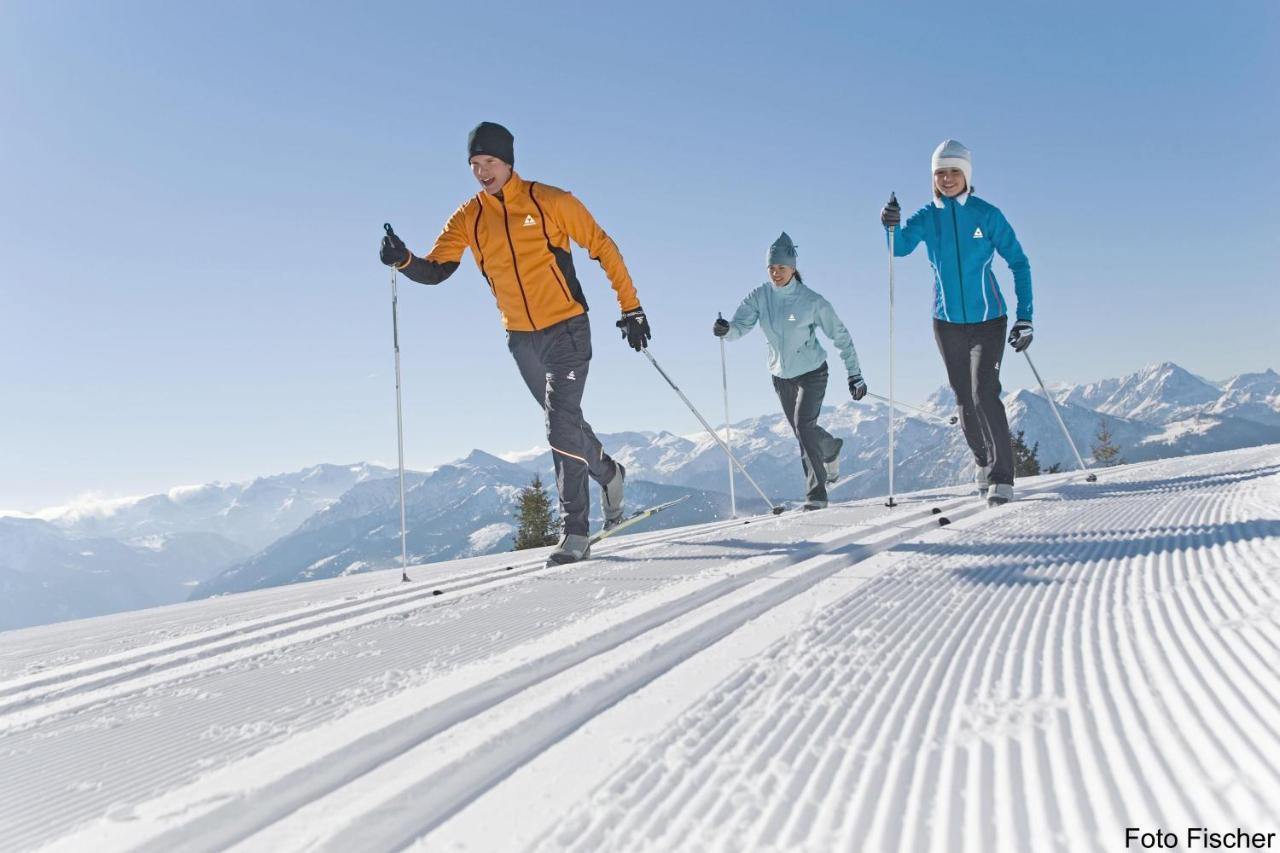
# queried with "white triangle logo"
point(977, 232)
point(529, 220)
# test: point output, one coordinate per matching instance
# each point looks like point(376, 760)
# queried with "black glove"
point(393, 252)
point(891, 215)
point(635, 328)
point(1020, 335)
point(857, 386)
point(720, 328)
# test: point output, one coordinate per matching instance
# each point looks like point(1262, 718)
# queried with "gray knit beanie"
point(783, 251)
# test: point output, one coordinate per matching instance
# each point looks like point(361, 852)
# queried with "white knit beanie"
point(953, 155)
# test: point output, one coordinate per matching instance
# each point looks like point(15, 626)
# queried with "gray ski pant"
point(553, 362)
point(972, 353)
point(801, 399)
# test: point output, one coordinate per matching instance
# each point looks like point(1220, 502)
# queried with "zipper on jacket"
point(555, 273)
point(955, 232)
point(515, 264)
point(475, 248)
point(551, 249)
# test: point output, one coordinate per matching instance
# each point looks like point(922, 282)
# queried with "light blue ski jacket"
point(789, 315)
point(962, 235)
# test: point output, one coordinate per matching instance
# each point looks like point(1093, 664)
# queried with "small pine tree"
point(1105, 452)
point(536, 525)
point(1026, 460)
point(1055, 468)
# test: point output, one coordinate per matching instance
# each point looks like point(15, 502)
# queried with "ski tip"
point(943, 521)
point(936, 511)
point(437, 592)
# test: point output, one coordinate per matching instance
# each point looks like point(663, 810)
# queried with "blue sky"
point(192, 196)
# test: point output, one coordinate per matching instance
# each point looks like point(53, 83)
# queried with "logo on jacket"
point(977, 233)
point(792, 318)
point(529, 220)
point(571, 377)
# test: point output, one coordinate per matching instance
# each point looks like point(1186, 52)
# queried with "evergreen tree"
point(1055, 468)
point(1026, 460)
point(536, 523)
point(1105, 453)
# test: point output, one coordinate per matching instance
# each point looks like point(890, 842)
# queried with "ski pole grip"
point(387, 226)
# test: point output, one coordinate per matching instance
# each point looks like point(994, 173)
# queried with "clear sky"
point(192, 194)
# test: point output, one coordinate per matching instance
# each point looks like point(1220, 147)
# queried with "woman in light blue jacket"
point(790, 313)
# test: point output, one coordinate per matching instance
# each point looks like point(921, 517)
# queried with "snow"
point(489, 536)
point(1175, 430)
point(1038, 676)
point(178, 494)
point(519, 457)
point(319, 564)
point(87, 506)
point(150, 543)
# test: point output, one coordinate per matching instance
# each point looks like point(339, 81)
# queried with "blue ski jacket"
point(962, 235)
point(789, 315)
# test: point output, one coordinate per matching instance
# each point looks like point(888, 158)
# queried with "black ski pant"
point(553, 362)
point(972, 353)
point(801, 399)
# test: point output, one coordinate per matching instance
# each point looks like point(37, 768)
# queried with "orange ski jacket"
point(520, 241)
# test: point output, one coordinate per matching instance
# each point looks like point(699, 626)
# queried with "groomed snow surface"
point(1033, 677)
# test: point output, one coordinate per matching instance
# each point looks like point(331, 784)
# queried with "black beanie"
point(494, 140)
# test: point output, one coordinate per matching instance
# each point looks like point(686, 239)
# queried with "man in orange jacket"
point(518, 232)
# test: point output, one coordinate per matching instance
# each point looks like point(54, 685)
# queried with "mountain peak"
point(479, 459)
point(1163, 369)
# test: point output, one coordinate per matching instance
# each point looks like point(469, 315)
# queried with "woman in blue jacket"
point(961, 234)
point(790, 313)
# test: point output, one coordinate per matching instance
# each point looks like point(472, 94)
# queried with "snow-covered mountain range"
point(463, 509)
point(252, 514)
point(334, 520)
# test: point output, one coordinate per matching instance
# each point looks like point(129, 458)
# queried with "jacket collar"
point(941, 202)
point(791, 288)
point(511, 190)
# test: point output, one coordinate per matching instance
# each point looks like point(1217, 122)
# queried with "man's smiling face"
point(491, 172)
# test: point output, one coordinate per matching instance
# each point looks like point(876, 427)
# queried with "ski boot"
point(611, 497)
point(571, 549)
point(833, 464)
point(811, 505)
point(1001, 493)
point(982, 479)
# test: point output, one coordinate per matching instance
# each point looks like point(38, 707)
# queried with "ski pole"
point(893, 199)
point(1092, 478)
point(728, 435)
point(777, 510)
point(395, 337)
point(953, 420)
